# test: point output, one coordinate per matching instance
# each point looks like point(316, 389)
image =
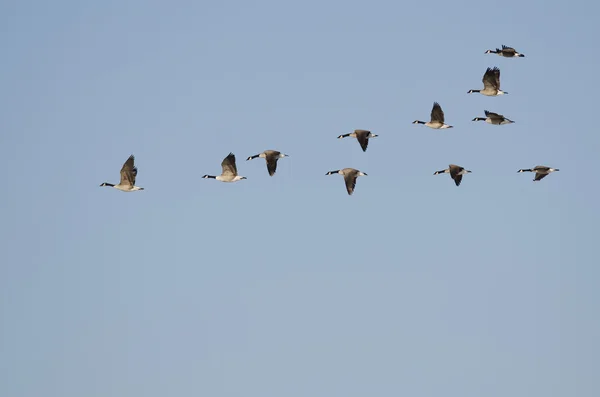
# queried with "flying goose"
point(350, 175)
point(493, 118)
point(507, 52)
point(455, 171)
point(128, 174)
point(437, 118)
point(491, 83)
point(362, 136)
point(229, 173)
point(540, 171)
point(271, 157)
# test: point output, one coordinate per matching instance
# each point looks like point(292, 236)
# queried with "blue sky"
point(286, 285)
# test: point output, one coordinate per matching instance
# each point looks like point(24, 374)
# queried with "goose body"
point(229, 173)
point(362, 136)
point(541, 171)
point(456, 172)
point(128, 174)
point(271, 157)
point(493, 118)
point(350, 175)
point(436, 120)
point(491, 83)
point(506, 51)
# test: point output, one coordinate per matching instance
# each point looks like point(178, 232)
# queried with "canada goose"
point(455, 171)
point(362, 136)
point(350, 175)
point(507, 52)
point(229, 173)
point(493, 118)
point(491, 83)
point(271, 157)
point(437, 118)
point(540, 171)
point(128, 174)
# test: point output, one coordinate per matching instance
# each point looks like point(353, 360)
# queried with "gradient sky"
point(285, 285)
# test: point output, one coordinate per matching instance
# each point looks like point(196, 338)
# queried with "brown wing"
point(493, 115)
point(454, 170)
point(228, 165)
point(362, 136)
point(437, 114)
point(350, 180)
point(457, 179)
point(491, 78)
point(271, 164)
point(496, 77)
point(508, 50)
point(455, 173)
point(128, 172)
point(539, 177)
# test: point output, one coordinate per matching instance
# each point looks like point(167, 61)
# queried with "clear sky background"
point(285, 285)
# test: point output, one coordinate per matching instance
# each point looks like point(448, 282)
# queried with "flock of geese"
point(491, 87)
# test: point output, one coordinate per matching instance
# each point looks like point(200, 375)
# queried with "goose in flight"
point(128, 174)
point(437, 118)
point(493, 118)
point(271, 157)
point(491, 83)
point(229, 173)
point(506, 51)
point(362, 136)
point(456, 172)
point(541, 171)
point(350, 175)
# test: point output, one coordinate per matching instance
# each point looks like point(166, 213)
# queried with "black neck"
point(209, 176)
point(107, 184)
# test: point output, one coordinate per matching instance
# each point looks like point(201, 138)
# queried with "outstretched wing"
point(128, 172)
point(508, 50)
point(228, 165)
point(539, 177)
point(437, 114)
point(350, 180)
point(455, 173)
point(271, 164)
point(496, 77)
point(493, 115)
point(362, 136)
point(458, 179)
point(491, 78)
